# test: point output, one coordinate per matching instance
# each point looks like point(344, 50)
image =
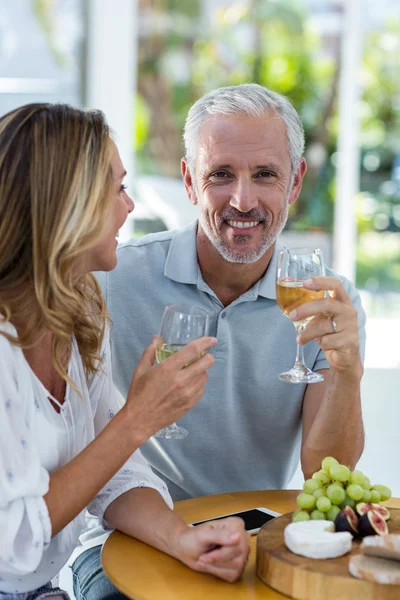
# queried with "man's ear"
point(187, 181)
point(298, 181)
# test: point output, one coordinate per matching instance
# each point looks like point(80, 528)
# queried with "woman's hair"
point(249, 99)
point(55, 184)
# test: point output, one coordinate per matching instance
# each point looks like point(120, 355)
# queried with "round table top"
point(143, 573)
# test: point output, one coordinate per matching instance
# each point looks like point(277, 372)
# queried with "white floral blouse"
point(35, 440)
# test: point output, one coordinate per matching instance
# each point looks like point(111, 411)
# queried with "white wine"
point(291, 294)
point(166, 350)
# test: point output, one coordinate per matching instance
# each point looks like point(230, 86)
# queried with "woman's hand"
point(162, 394)
point(220, 548)
point(334, 326)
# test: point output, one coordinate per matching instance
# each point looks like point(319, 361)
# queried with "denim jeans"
point(46, 591)
point(90, 581)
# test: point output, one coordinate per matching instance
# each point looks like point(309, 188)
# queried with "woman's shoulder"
point(7, 347)
point(11, 356)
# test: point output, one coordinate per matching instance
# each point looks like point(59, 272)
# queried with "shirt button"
point(223, 315)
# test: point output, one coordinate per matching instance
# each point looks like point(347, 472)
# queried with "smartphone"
point(254, 518)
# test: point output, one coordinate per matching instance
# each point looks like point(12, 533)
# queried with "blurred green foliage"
point(274, 43)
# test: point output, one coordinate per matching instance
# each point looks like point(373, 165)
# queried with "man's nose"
point(243, 197)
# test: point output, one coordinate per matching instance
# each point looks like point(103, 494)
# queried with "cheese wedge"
point(384, 546)
point(317, 539)
point(375, 569)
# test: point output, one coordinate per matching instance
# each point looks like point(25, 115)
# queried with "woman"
point(64, 446)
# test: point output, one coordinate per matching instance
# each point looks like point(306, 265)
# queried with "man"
point(243, 166)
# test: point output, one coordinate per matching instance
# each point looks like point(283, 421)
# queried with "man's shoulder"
point(136, 252)
point(151, 239)
point(348, 285)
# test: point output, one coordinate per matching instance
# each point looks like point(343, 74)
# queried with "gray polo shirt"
point(244, 434)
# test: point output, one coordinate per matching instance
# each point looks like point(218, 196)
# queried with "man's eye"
point(220, 174)
point(265, 174)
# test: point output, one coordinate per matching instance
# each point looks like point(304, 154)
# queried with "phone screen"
point(253, 519)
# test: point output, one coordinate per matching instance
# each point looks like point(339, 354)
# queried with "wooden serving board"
point(311, 579)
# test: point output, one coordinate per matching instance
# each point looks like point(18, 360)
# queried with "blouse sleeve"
point(136, 472)
point(24, 519)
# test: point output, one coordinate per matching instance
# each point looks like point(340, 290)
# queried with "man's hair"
point(55, 188)
point(247, 99)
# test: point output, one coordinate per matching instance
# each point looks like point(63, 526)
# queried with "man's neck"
point(228, 280)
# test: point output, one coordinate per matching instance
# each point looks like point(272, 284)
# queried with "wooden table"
point(143, 573)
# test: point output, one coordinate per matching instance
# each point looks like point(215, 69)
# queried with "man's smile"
point(235, 224)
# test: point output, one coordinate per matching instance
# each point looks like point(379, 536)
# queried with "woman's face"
point(103, 257)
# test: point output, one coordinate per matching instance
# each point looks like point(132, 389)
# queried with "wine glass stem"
point(299, 364)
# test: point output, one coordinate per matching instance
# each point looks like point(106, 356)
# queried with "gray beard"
point(249, 255)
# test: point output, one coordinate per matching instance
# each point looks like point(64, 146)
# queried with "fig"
point(347, 520)
point(371, 523)
point(364, 507)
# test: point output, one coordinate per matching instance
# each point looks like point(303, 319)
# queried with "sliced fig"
point(364, 507)
point(347, 520)
point(371, 523)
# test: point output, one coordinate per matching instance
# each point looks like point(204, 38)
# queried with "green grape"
point(317, 515)
point(310, 485)
point(327, 463)
point(335, 494)
point(385, 492)
point(323, 504)
point(375, 496)
point(338, 484)
point(300, 515)
point(354, 491)
point(348, 502)
point(319, 493)
point(357, 477)
point(340, 473)
point(366, 484)
point(366, 496)
point(332, 513)
point(306, 501)
point(321, 477)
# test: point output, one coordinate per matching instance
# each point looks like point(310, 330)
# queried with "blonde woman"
point(64, 445)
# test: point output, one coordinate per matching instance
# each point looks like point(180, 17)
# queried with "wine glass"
point(179, 326)
point(294, 266)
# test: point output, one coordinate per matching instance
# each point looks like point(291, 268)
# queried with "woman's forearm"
point(142, 513)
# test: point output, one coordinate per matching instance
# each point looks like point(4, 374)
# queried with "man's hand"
point(334, 326)
point(220, 548)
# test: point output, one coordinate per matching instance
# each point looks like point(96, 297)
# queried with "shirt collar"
point(267, 283)
point(182, 266)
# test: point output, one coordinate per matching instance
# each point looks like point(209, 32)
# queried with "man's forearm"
point(337, 429)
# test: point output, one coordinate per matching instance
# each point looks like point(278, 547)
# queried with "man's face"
point(242, 183)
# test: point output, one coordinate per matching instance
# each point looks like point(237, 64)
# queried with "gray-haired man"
point(244, 167)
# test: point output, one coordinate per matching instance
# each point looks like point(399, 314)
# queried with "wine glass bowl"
point(295, 266)
point(180, 325)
